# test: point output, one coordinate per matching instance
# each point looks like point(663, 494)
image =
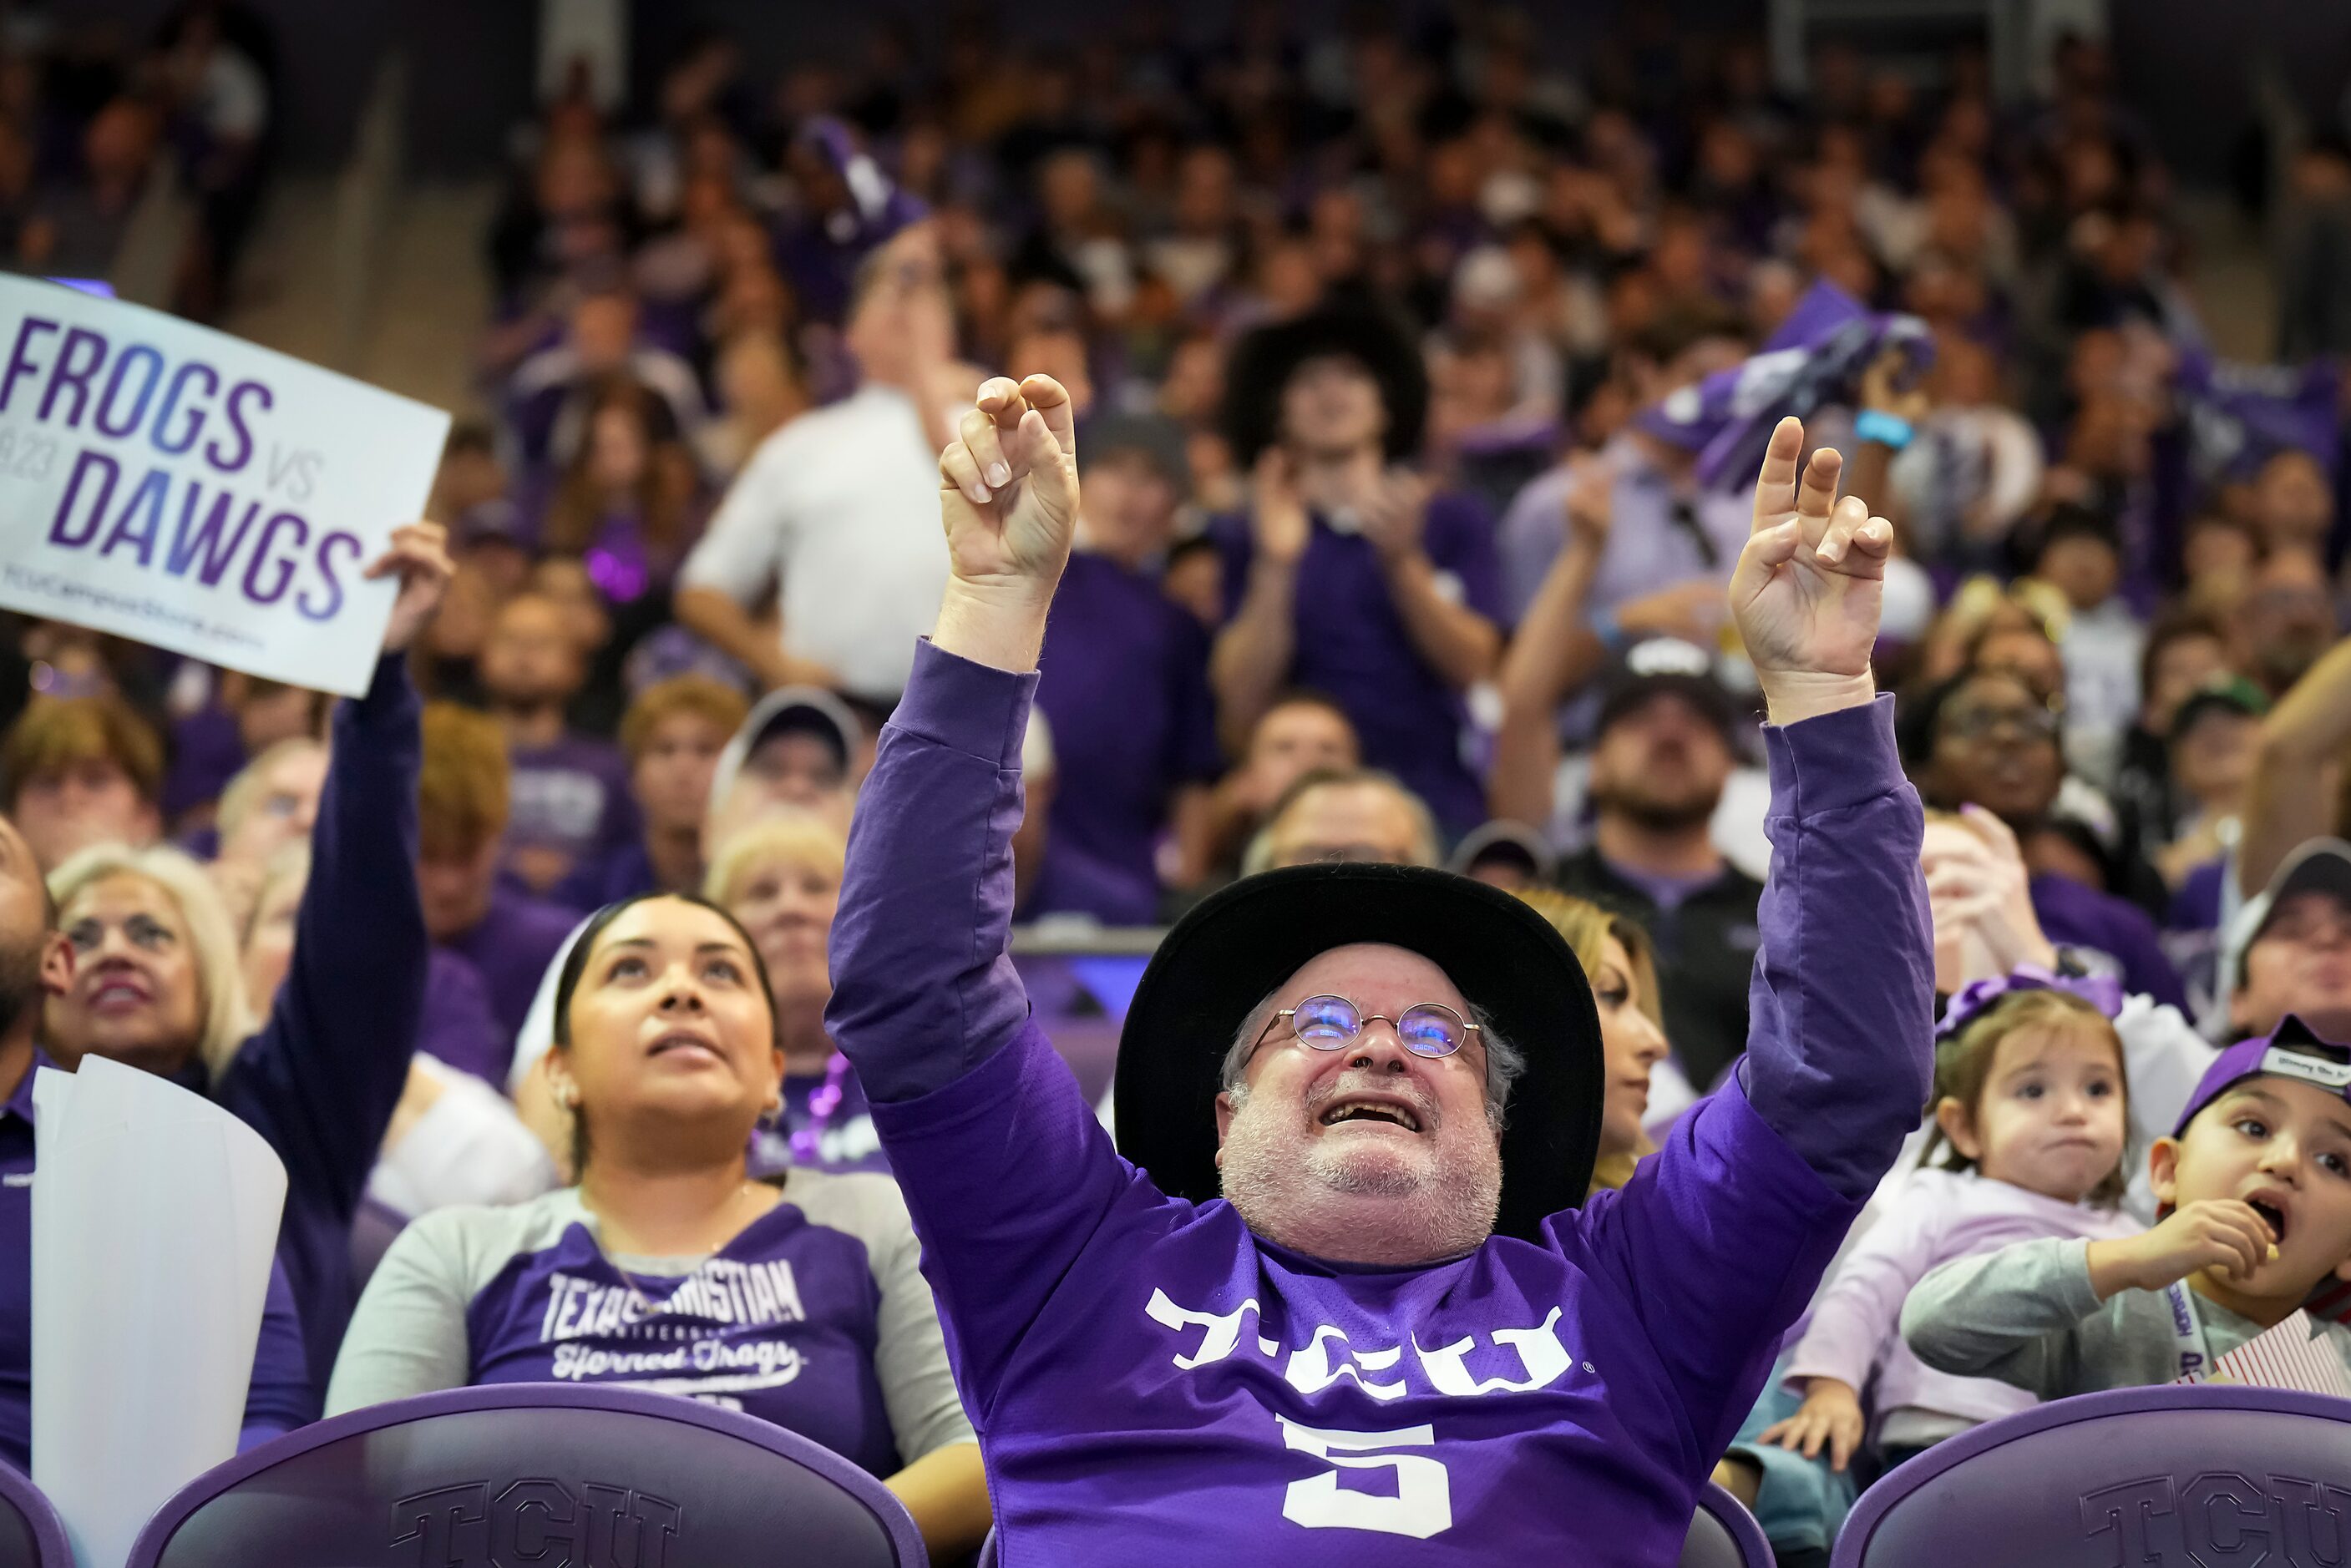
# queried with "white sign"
point(181, 487)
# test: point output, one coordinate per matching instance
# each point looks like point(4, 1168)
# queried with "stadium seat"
point(31, 1533)
point(2179, 1477)
point(1724, 1535)
point(532, 1472)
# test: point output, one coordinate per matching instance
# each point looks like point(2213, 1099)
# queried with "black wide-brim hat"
point(1264, 359)
point(1239, 944)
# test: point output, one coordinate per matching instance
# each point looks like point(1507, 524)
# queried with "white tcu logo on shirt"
point(1416, 1496)
point(1327, 1357)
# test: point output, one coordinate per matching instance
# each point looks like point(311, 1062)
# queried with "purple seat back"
point(534, 1473)
point(31, 1533)
point(1723, 1534)
point(2207, 1475)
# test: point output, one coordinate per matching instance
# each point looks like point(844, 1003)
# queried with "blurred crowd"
point(1409, 366)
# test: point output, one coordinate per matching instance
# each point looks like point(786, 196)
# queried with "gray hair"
point(1504, 1061)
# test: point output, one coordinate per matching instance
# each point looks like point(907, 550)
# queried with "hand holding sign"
point(419, 556)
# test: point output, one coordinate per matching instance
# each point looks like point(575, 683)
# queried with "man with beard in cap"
point(1348, 576)
point(1338, 1304)
point(1660, 758)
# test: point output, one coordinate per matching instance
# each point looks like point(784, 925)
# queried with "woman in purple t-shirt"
point(797, 1299)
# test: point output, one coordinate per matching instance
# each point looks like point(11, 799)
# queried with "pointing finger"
point(1775, 485)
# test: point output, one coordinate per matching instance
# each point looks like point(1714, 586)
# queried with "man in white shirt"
point(840, 508)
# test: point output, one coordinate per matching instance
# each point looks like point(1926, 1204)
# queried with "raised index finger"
point(1775, 485)
point(1052, 400)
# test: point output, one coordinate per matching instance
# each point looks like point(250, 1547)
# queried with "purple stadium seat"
point(1722, 1535)
point(534, 1472)
point(2208, 1476)
point(31, 1533)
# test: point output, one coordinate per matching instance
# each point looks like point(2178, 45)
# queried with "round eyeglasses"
point(1333, 1024)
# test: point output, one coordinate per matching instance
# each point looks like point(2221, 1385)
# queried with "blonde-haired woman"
point(780, 877)
point(1615, 954)
point(157, 982)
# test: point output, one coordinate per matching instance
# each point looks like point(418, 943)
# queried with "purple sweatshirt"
point(1144, 1370)
point(320, 1078)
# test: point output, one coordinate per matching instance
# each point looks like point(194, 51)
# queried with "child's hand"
point(1831, 1415)
point(2218, 1233)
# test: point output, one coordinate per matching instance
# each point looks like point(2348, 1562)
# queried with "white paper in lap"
point(2291, 1354)
point(154, 1217)
point(171, 484)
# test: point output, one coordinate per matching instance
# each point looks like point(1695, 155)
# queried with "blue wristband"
point(1603, 626)
point(1887, 430)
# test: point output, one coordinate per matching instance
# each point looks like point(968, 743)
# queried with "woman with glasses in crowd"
point(796, 1299)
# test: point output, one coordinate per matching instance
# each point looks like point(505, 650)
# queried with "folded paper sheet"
point(2287, 1355)
point(155, 1215)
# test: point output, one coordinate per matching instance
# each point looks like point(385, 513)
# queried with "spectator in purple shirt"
point(156, 983)
point(568, 792)
point(1347, 575)
point(33, 957)
point(211, 745)
point(1134, 736)
point(1327, 1252)
point(1986, 738)
point(673, 734)
point(505, 933)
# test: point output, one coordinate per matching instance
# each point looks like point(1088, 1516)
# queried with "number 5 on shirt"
point(1423, 1503)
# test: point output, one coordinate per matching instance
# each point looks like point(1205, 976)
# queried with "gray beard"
point(1317, 1206)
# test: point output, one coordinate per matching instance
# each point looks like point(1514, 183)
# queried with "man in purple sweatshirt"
point(1343, 1301)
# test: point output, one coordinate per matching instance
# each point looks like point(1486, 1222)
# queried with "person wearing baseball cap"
point(2288, 950)
point(1663, 752)
point(799, 749)
point(1337, 1295)
point(2254, 1184)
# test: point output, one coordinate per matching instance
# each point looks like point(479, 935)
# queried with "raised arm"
point(2292, 796)
point(330, 1061)
point(923, 987)
point(1251, 657)
point(1551, 651)
point(1753, 1192)
point(1840, 1050)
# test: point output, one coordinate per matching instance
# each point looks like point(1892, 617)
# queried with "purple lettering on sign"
point(146, 502)
point(73, 370)
point(234, 409)
point(216, 557)
point(61, 531)
point(166, 443)
point(326, 570)
point(137, 354)
point(261, 557)
point(17, 363)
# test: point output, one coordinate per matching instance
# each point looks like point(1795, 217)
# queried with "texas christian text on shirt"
point(1144, 1370)
point(813, 1317)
